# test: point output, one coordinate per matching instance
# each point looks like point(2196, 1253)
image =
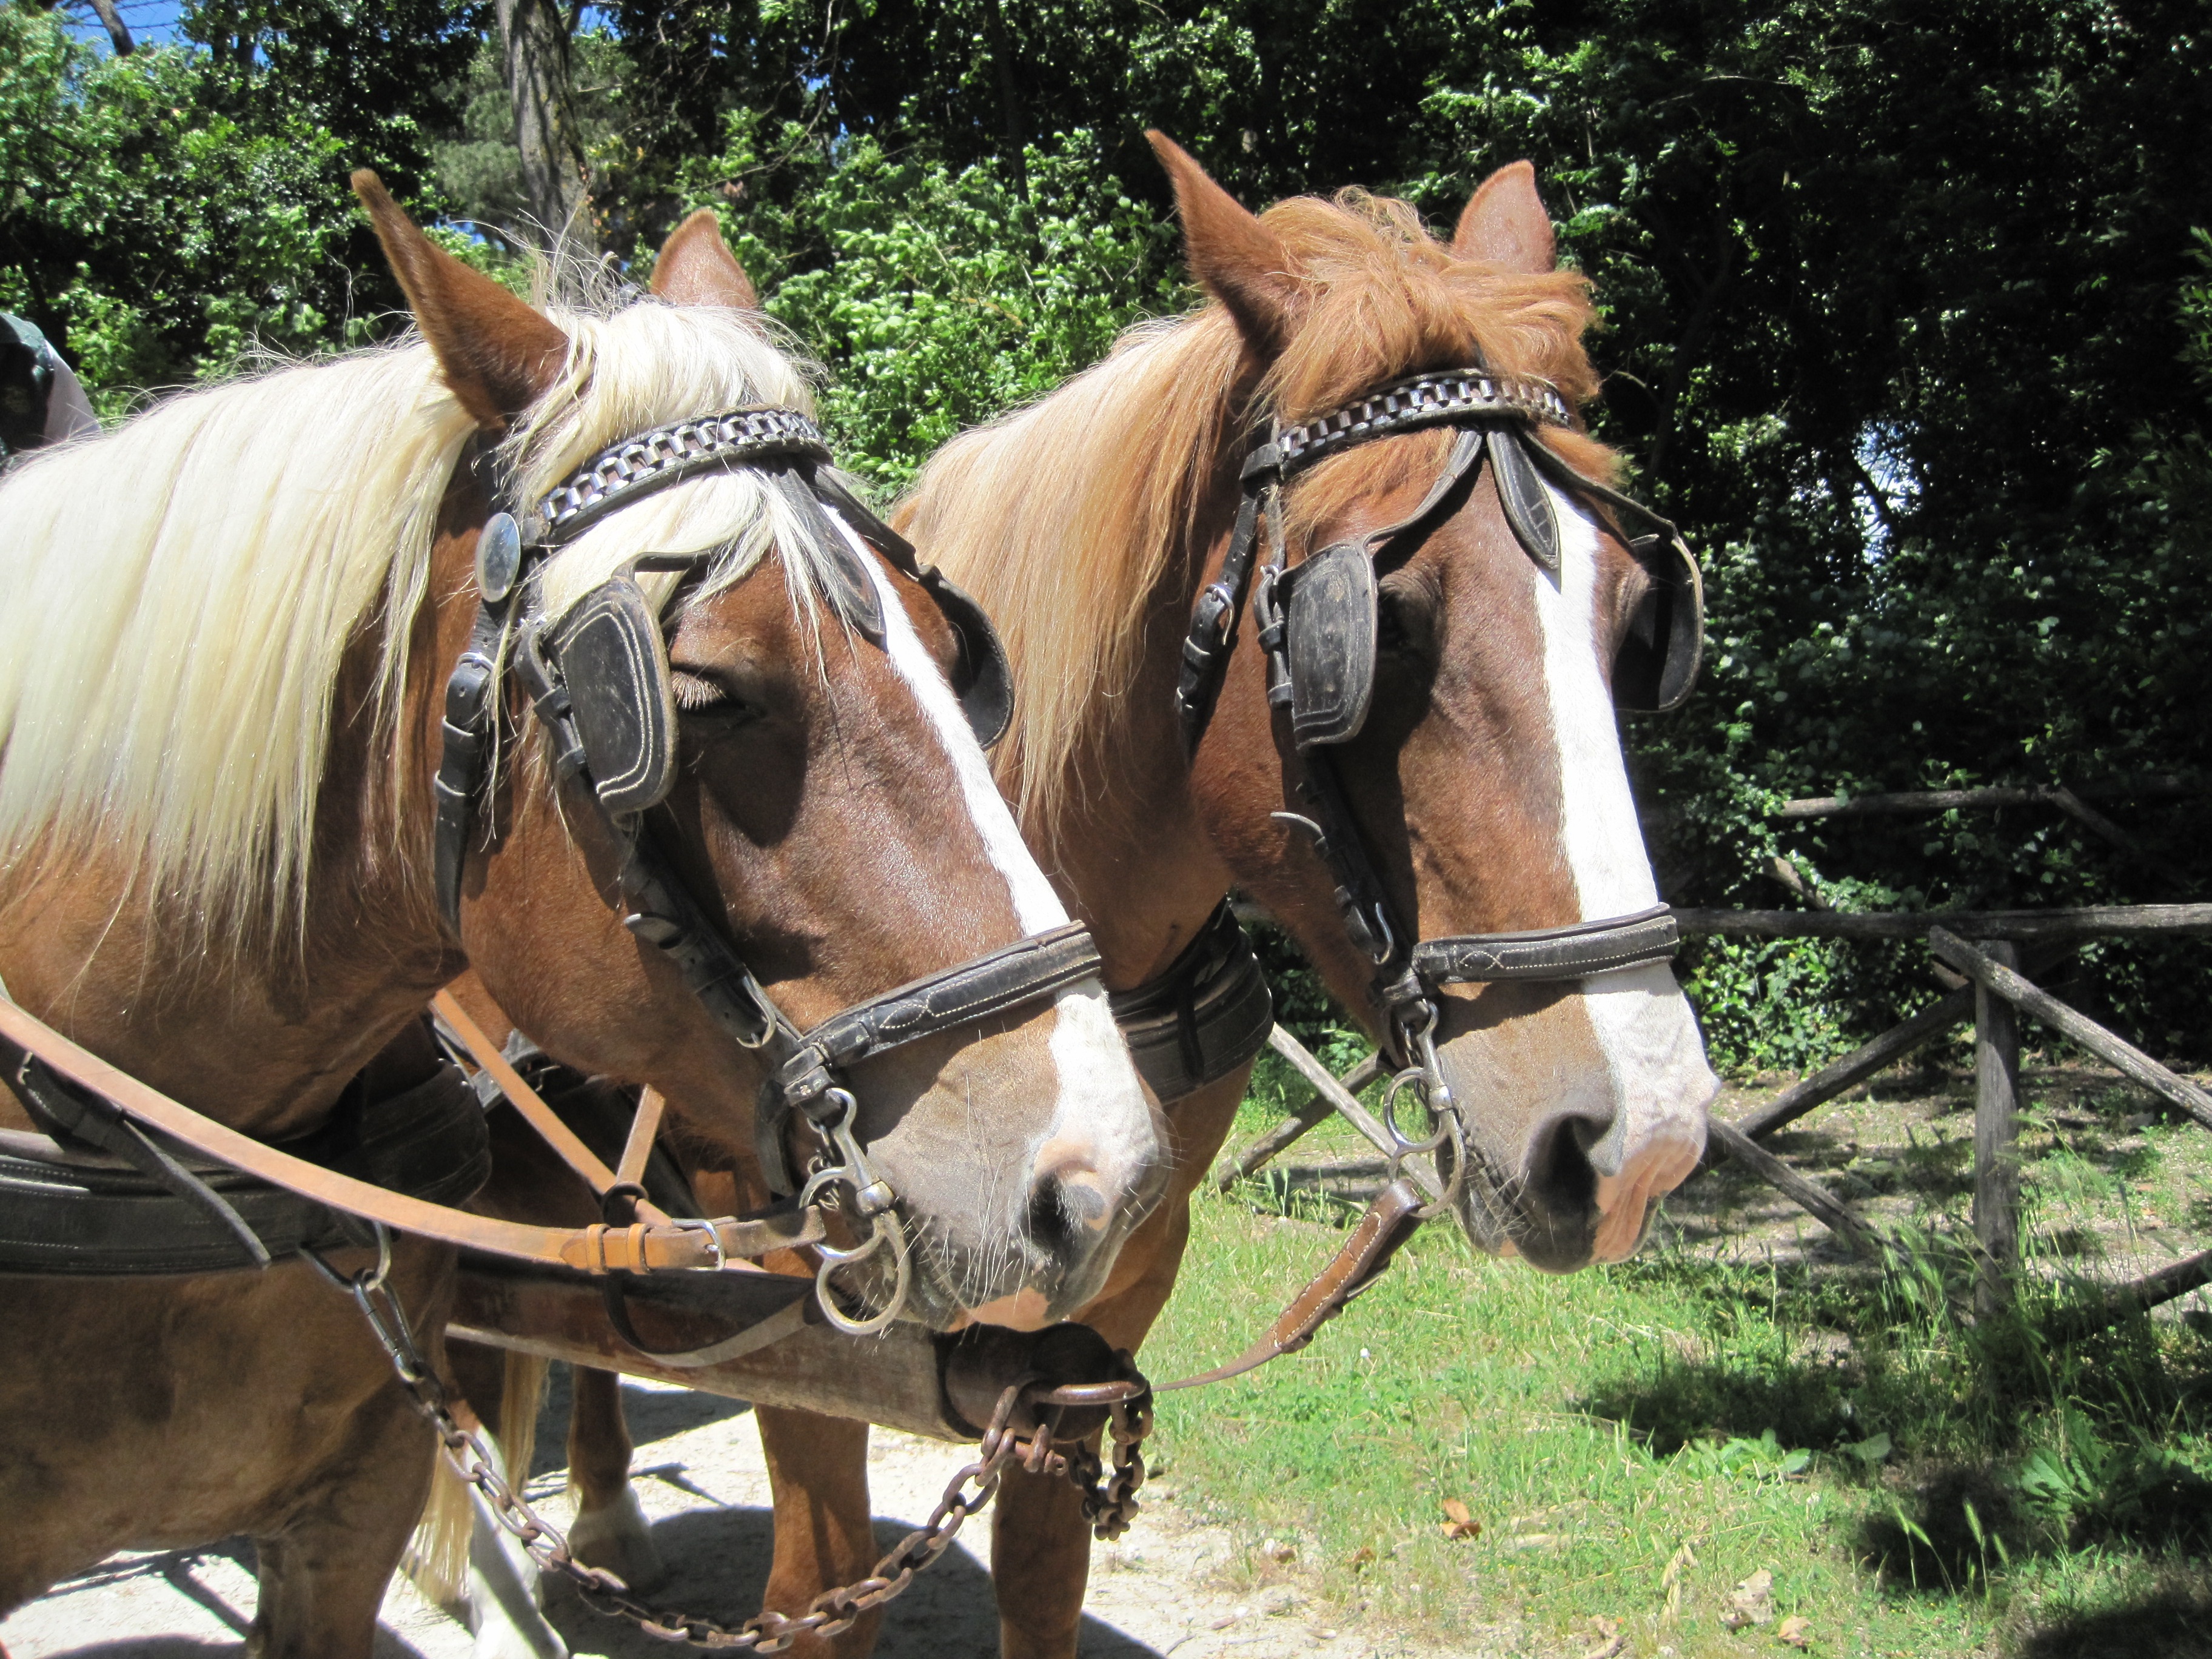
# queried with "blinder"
point(608, 653)
point(1658, 661)
point(1330, 614)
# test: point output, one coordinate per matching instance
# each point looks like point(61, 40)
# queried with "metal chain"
point(1108, 1506)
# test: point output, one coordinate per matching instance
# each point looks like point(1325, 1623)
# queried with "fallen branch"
point(1817, 1201)
point(2138, 1296)
point(1317, 1109)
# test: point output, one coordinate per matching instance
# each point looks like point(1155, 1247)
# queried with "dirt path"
point(702, 1479)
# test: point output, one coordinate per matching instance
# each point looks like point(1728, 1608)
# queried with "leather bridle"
point(1496, 415)
point(806, 1083)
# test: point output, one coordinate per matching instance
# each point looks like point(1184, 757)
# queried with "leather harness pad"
point(1207, 1015)
point(609, 653)
point(1329, 611)
point(70, 1213)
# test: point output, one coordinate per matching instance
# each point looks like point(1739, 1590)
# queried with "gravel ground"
point(700, 1478)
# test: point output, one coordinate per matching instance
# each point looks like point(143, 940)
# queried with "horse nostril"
point(1064, 1208)
point(1560, 1179)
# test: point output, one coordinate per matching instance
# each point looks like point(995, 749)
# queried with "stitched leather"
point(1590, 947)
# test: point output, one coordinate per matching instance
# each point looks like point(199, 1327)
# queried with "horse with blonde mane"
point(220, 724)
point(1480, 766)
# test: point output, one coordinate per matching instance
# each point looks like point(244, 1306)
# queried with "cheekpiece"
point(1433, 400)
point(651, 460)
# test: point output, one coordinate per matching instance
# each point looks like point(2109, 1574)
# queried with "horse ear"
point(1505, 222)
point(696, 268)
point(1235, 258)
point(499, 357)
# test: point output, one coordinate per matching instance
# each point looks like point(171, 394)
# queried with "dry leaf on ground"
point(1797, 1630)
point(1751, 1602)
point(1459, 1521)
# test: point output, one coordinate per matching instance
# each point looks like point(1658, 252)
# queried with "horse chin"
point(1500, 1227)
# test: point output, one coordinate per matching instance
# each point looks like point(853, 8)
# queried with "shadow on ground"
point(718, 1565)
point(2172, 1622)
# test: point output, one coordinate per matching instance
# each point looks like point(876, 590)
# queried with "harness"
point(599, 683)
point(1318, 624)
point(68, 1207)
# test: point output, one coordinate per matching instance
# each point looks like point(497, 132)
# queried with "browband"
point(1437, 398)
point(652, 460)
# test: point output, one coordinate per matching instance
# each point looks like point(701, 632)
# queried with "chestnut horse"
point(1488, 780)
point(219, 725)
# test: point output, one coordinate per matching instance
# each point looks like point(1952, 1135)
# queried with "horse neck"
point(262, 1036)
point(1130, 851)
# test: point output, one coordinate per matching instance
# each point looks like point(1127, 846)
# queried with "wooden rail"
point(2025, 926)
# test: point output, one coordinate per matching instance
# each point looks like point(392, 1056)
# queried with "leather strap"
point(1206, 1015)
point(1587, 947)
point(1390, 1220)
point(1448, 397)
point(637, 466)
point(645, 1248)
point(1026, 971)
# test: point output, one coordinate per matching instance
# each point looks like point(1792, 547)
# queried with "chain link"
point(1109, 1504)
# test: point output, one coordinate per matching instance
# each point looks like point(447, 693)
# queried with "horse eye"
point(700, 698)
point(1398, 629)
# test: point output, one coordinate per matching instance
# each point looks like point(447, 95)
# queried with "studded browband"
point(1436, 399)
point(621, 473)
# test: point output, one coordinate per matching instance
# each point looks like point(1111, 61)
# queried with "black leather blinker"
point(1328, 605)
point(1527, 504)
point(609, 652)
point(983, 679)
point(1658, 661)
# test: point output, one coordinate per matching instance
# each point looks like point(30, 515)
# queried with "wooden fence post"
point(1996, 1136)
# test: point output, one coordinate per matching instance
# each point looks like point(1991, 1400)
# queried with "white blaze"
point(1101, 1105)
point(1656, 1062)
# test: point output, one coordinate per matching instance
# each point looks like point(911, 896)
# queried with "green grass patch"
point(1636, 1442)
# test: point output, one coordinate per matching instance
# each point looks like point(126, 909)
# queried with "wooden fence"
point(1991, 958)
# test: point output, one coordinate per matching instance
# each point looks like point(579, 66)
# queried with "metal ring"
point(887, 1225)
point(1411, 1075)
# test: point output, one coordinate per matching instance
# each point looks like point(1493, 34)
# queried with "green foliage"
point(945, 298)
point(1908, 318)
point(164, 216)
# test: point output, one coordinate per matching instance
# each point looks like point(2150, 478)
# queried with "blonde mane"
point(1065, 520)
point(185, 590)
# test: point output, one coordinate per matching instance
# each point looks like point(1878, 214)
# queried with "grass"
point(1636, 1442)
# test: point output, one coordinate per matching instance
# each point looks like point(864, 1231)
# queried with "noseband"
point(1318, 626)
point(599, 682)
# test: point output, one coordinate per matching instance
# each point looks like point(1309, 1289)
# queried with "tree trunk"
point(118, 32)
point(554, 178)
